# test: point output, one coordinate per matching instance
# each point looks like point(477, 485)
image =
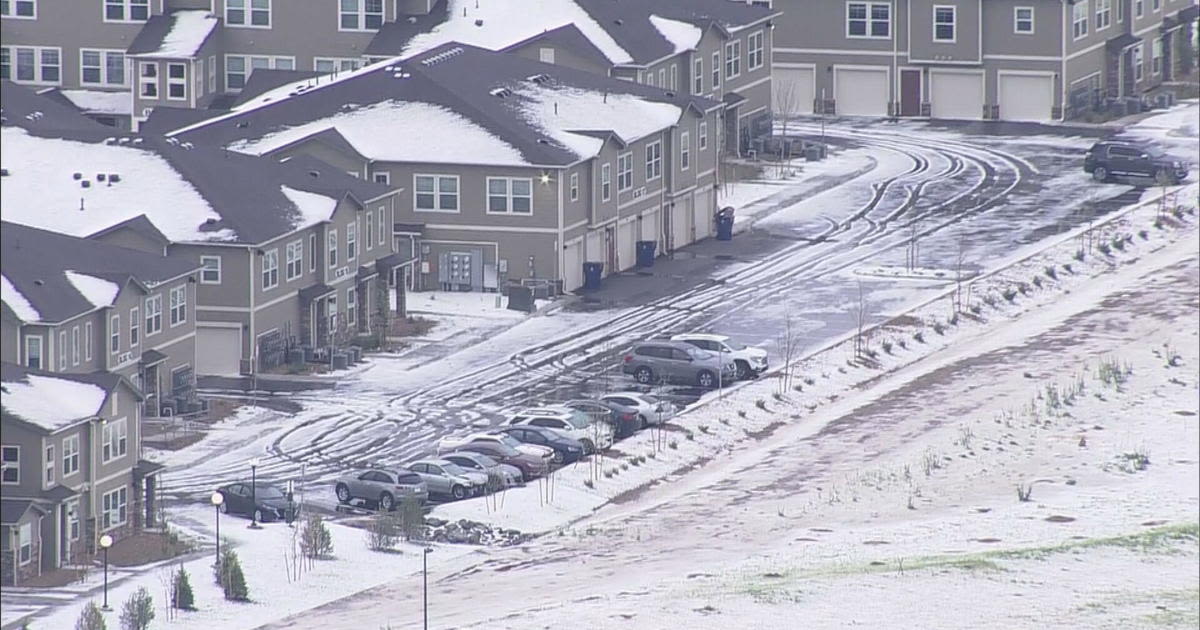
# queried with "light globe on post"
point(106, 541)
point(254, 493)
point(217, 499)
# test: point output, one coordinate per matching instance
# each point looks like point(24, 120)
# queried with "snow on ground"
point(682, 35)
point(98, 291)
point(52, 403)
point(101, 102)
point(1175, 129)
point(459, 313)
point(313, 208)
point(558, 111)
point(17, 301)
point(189, 30)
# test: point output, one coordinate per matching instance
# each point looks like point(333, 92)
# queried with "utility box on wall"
point(461, 270)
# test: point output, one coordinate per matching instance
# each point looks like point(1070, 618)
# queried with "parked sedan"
point(509, 475)
point(593, 435)
point(263, 502)
point(650, 409)
point(531, 466)
point(454, 443)
point(675, 361)
point(566, 449)
point(384, 488)
point(749, 360)
point(623, 419)
point(449, 480)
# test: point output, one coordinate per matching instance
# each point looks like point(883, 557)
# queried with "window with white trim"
point(126, 10)
point(1156, 5)
point(238, 68)
point(148, 79)
point(674, 77)
point(360, 15)
point(1023, 20)
point(685, 151)
point(872, 20)
point(382, 219)
point(62, 351)
point(199, 78)
point(662, 78)
point(101, 67)
point(135, 327)
point(625, 171)
point(329, 65)
point(25, 544)
point(333, 313)
point(10, 462)
point(369, 240)
point(210, 270)
point(510, 195)
point(1139, 8)
point(87, 341)
point(178, 305)
point(698, 76)
point(19, 9)
point(333, 248)
point(48, 477)
point(270, 269)
point(574, 187)
point(435, 193)
point(654, 160)
point(716, 70)
point(70, 456)
point(754, 50)
point(115, 508)
point(733, 59)
point(177, 82)
point(1079, 19)
point(546, 55)
point(75, 345)
point(1139, 61)
point(212, 73)
point(153, 315)
point(605, 181)
point(1156, 56)
point(1103, 14)
point(702, 135)
point(248, 13)
point(114, 439)
point(351, 307)
point(381, 177)
point(351, 241)
point(312, 252)
point(33, 352)
point(1120, 11)
point(294, 257)
point(73, 519)
point(31, 64)
point(114, 334)
point(945, 23)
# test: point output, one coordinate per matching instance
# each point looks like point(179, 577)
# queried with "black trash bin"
point(725, 224)
point(593, 272)
point(645, 253)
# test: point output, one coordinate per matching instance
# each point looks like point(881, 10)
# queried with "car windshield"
point(697, 353)
point(735, 345)
point(506, 440)
point(453, 469)
point(484, 460)
point(408, 478)
point(579, 420)
point(267, 492)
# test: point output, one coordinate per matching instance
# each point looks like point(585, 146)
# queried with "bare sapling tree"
point(860, 345)
point(960, 259)
point(786, 101)
point(787, 349)
point(911, 251)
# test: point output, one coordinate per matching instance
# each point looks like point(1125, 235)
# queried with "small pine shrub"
point(689, 435)
point(182, 596)
point(887, 347)
point(742, 413)
point(1079, 255)
point(412, 519)
point(588, 483)
point(90, 618)
point(1069, 268)
point(761, 404)
point(1037, 281)
point(1051, 273)
point(1105, 249)
point(919, 337)
point(672, 445)
point(384, 531)
point(315, 539)
point(138, 610)
point(976, 309)
point(939, 328)
point(1009, 294)
point(234, 581)
point(1144, 234)
point(1118, 243)
point(704, 428)
point(608, 474)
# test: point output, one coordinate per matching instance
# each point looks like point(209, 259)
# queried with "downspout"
point(250, 254)
point(91, 484)
point(1062, 77)
point(896, 62)
point(561, 244)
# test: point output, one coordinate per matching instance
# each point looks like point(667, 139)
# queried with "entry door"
point(910, 92)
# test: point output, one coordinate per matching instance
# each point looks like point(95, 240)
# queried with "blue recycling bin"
point(645, 253)
point(593, 272)
point(725, 224)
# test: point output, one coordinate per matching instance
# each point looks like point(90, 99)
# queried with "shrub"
point(990, 301)
point(903, 344)
point(138, 610)
point(976, 309)
point(588, 483)
point(673, 444)
point(412, 519)
point(608, 473)
point(181, 591)
point(1009, 294)
point(383, 532)
point(808, 381)
point(1069, 268)
point(235, 586)
point(742, 413)
point(887, 347)
point(777, 396)
point(919, 337)
point(689, 435)
point(90, 618)
point(1144, 234)
point(939, 328)
point(1079, 255)
point(1118, 243)
point(1158, 224)
point(1105, 249)
point(761, 404)
point(1037, 281)
point(704, 428)
point(1024, 491)
point(1051, 273)
point(315, 539)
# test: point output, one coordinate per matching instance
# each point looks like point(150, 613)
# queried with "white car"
point(750, 361)
point(650, 410)
point(450, 444)
point(570, 422)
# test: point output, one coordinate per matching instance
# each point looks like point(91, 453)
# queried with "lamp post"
point(254, 494)
point(106, 541)
point(425, 584)
point(217, 499)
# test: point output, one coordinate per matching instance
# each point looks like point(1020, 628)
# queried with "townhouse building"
point(1002, 59)
point(508, 168)
point(70, 468)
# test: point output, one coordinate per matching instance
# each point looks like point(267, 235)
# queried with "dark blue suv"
point(1106, 159)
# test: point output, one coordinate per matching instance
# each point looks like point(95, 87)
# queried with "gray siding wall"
point(563, 56)
point(967, 20)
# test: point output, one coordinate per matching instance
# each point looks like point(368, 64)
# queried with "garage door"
point(681, 232)
point(1026, 97)
point(861, 91)
point(651, 222)
point(218, 350)
point(573, 265)
point(956, 95)
point(794, 90)
point(703, 215)
point(627, 243)
point(595, 246)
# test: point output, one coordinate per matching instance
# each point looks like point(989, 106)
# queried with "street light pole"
point(217, 499)
point(425, 584)
point(254, 494)
point(106, 541)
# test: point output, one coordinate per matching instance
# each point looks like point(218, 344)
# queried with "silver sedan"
point(509, 475)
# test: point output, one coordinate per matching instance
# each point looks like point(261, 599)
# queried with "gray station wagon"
point(679, 362)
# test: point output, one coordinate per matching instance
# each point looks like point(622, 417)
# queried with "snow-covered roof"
point(101, 102)
point(178, 35)
point(98, 291)
point(16, 301)
point(313, 208)
point(52, 402)
point(562, 112)
point(682, 35)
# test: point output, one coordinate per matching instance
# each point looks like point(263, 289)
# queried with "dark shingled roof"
point(151, 38)
point(13, 373)
point(42, 279)
point(13, 510)
point(391, 38)
point(164, 119)
point(263, 80)
point(46, 116)
point(139, 224)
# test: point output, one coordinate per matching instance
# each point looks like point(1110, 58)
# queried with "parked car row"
point(707, 361)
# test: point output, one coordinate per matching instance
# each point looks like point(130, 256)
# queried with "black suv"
point(1106, 159)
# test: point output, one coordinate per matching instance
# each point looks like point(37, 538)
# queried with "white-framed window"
point(716, 70)
point(674, 77)
point(662, 78)
point(333, 313)
point(546, 55)
point(351, 241)
point(1023, 20)
point(62, 351)
point(1156, 56)
point(435, 193)
point(654, 160)
point(509, 195)
point(605, 181)
point(312, 252)
point(871, 20)
point(381, 177)
point(1103, 14)
point(114, 439)
point(754, 50)
point(153, 315)
point(75, 345)
point(210, 270)
point(238, 68)
point(733, 59)
point(25, 544)
point(945, 20)
point(73, 519)
point(212, 73)
point(702, 135)
point(329, 65)
point(114, 334)
point(10, 461)
point(698, 76)
point(19, 9)
point(41, 65)
point(333, 248)
point(351, 306)
point(33, 352)
point(48, 478)
point(87, 341)
point(1139, 62)
point(148, 79)
point(178, 305)
point(115, 508)
point(650, 78)
point(199, 82)
point(1139, 8)
point(101, 67)
point(381, 217)
point(177, 82)
point(574, 187)
point(70, 456)
point(685, 151)
point(369, 238)
point(126, 10)
point(248, 13)
point(270, 269)
point(135, 328)
point(1156, 5)
point(294, 257)
point(360, 15)
point(625, 171)
point(1079, 19)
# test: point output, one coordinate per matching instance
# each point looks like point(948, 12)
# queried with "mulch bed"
point(144, 548)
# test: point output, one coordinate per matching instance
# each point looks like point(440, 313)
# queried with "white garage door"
point(573, 265)
point(794, 90)
point(704, 215)
point(956, 95)
point(627, 243)
point(861, 91)
point(595, 246)
point(1026, 97)
point(218, 350)
point(651, 221)
point(681, 231)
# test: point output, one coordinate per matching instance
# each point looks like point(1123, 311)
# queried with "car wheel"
point(1163, 176)
point(743, 370)
point(588, 447)
point(343, 493)
point(258, 515)
point(644, 375)
point(386, 502)
point(557, 457)
point(642, 422)
point(458, 492)
point(706, 379)
point(1100, 174)
point(225, 507)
